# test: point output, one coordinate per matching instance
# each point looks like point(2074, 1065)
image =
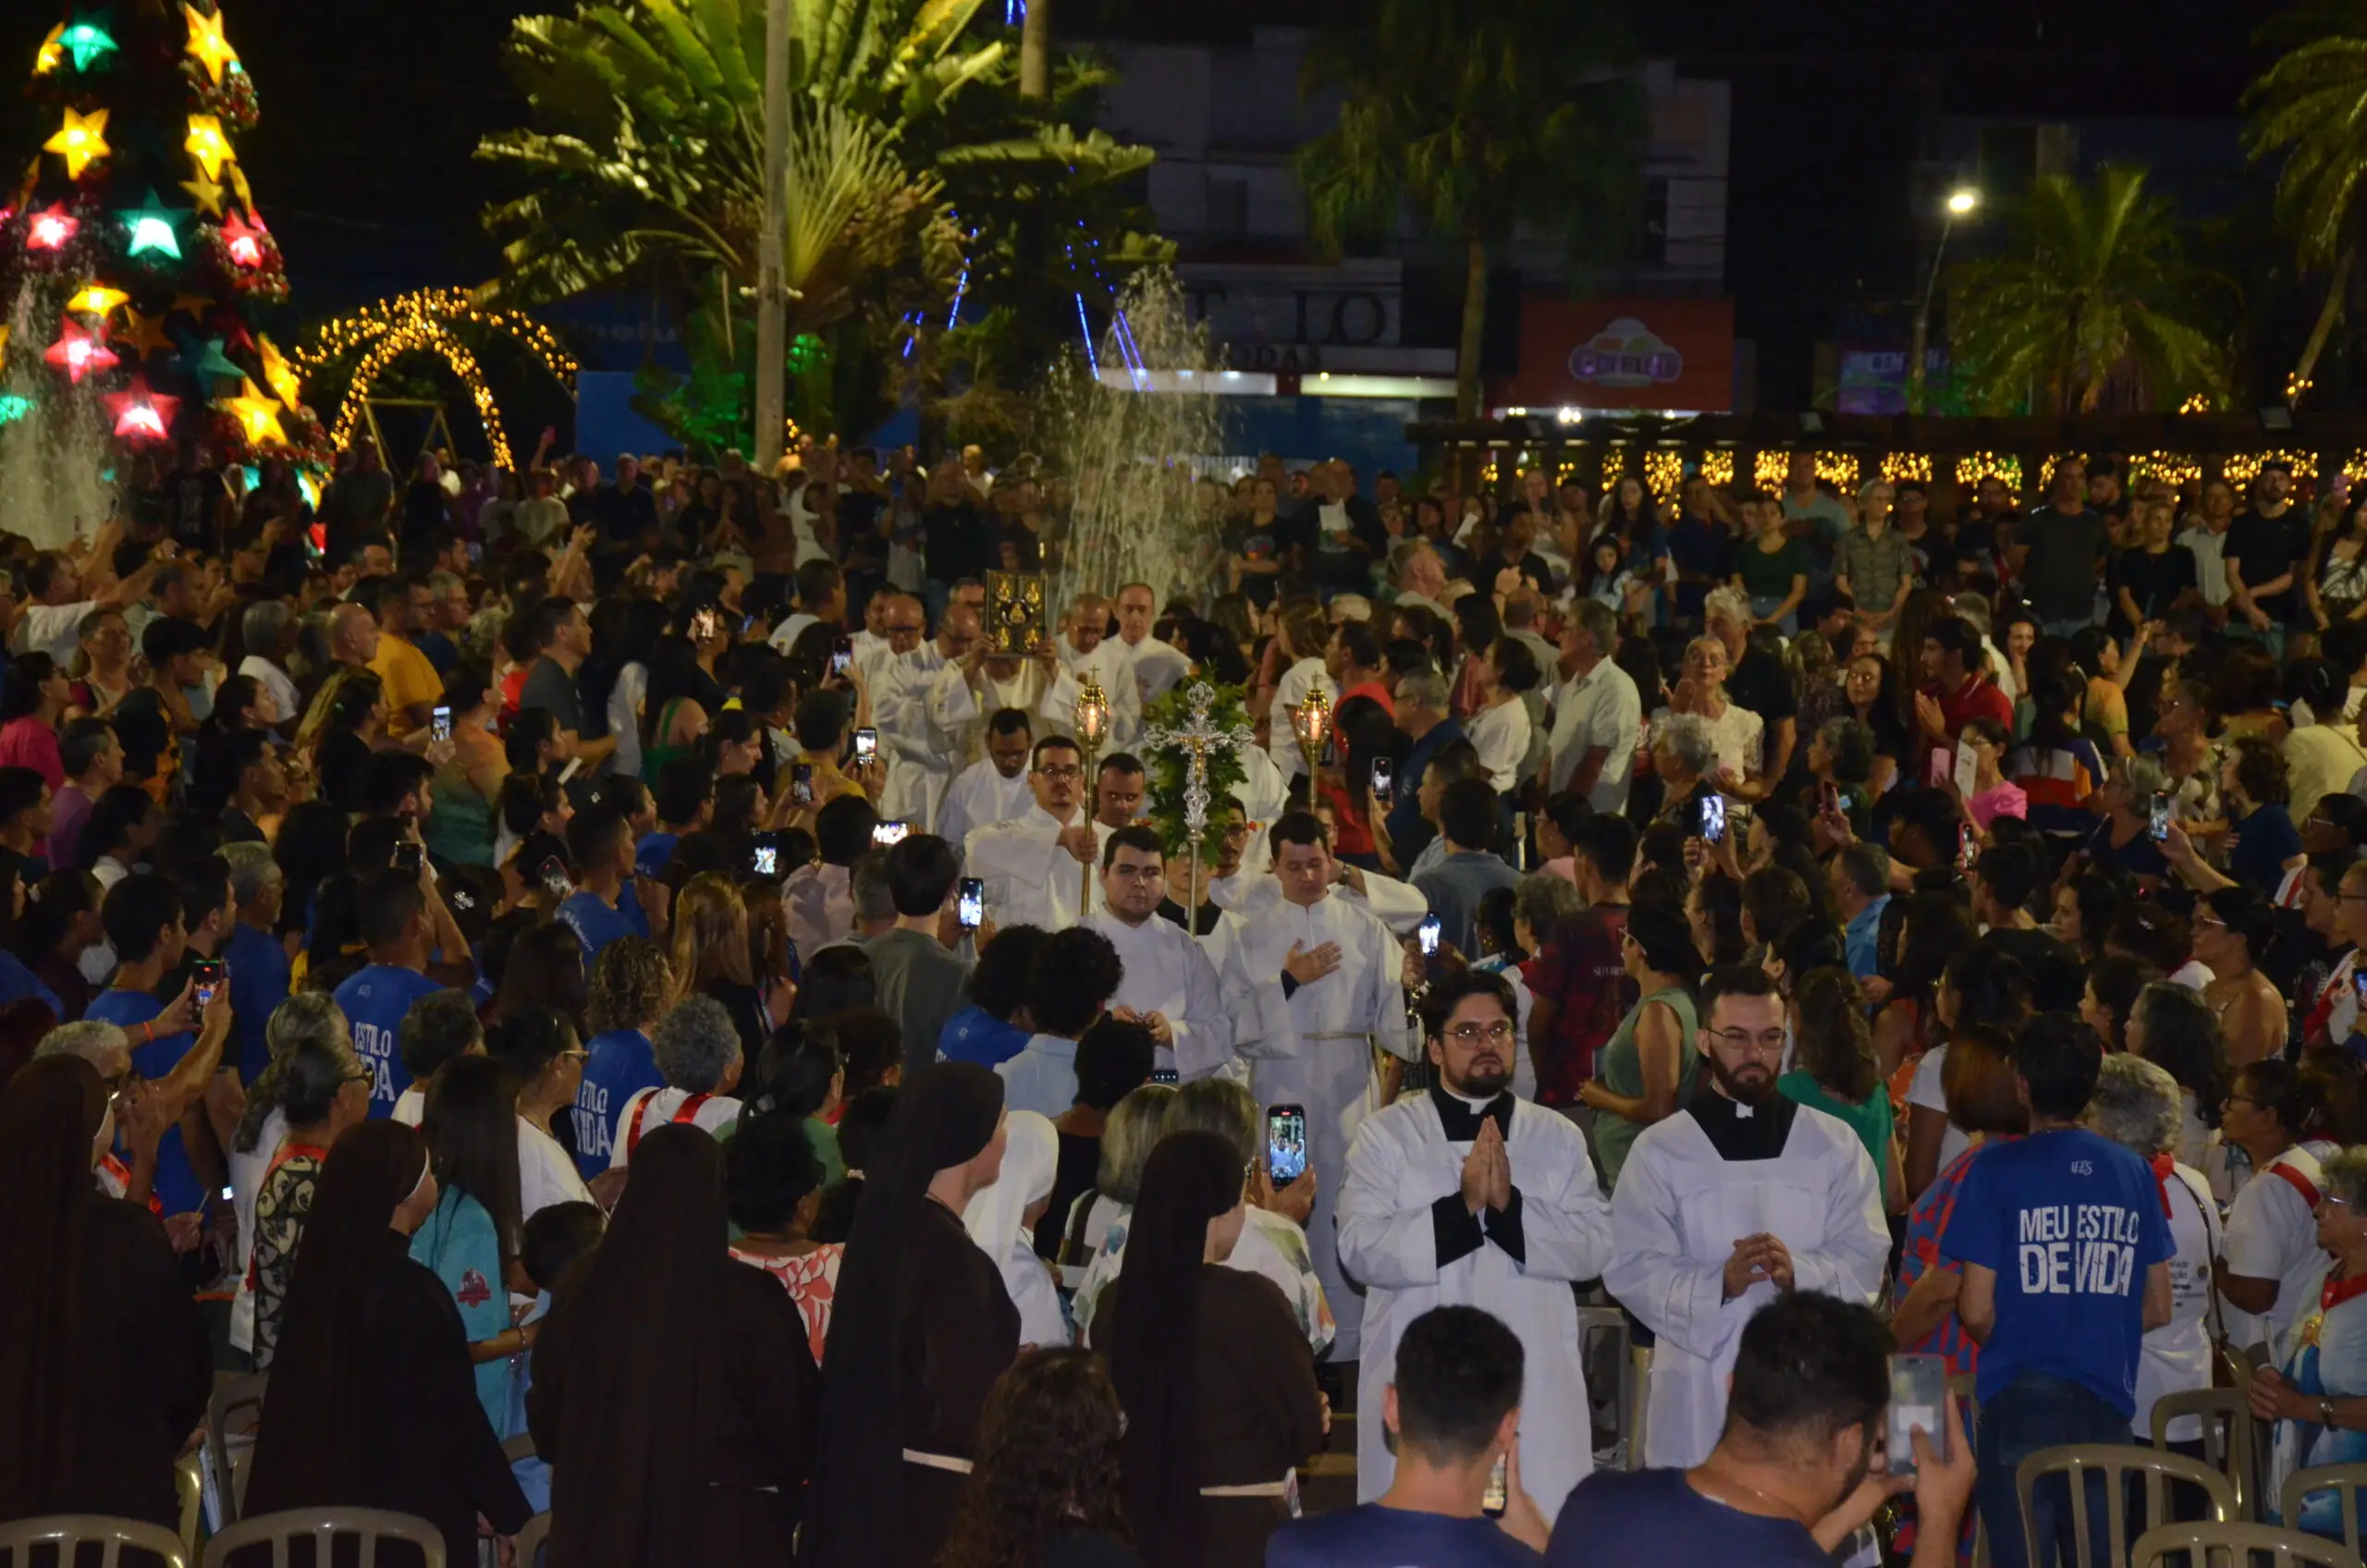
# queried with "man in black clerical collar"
point(1743, 1116)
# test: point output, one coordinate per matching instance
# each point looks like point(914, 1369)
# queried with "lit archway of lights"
point(424, 322)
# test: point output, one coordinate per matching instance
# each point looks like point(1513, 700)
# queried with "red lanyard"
point(687, 1113)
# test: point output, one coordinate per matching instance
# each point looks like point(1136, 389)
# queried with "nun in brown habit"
point(105, 1365)
point(1213, 1437)
point(921, 1328)
point(673, 1393)
point(373, 1401)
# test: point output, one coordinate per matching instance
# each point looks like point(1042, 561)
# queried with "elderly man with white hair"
point(2136, 1105)
point(1419, 576)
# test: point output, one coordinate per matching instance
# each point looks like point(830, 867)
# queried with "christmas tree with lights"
point(133, 253)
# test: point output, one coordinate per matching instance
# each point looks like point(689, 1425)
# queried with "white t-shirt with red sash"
point(2272, 1235)
point(654, 1107)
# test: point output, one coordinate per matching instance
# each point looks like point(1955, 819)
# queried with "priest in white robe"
point(1317, 981)
point(1134, 668)
point(1170, 985)
point(920, 755)
point(1469, 1197)
point(1087, 624)
point(967, 693)
point(1739, 1196)
point(993, 791)
point(1039, 866)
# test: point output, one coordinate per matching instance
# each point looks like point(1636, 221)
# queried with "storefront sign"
point(1622, 353)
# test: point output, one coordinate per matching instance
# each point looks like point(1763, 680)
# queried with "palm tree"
point(2093, 285)
point(1486, 117)
point(2311, 106)
point(644, 162)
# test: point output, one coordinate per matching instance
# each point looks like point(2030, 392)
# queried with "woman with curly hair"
point(1045, 1489)
point(630, 985)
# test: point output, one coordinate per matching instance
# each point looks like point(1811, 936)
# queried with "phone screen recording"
point(867, 743)
point(1429, 933)
point(1713, 818)
point(1285, 1143)
point(763, 860)
point(973, 907)
point(1384, 781)
point(440, 724)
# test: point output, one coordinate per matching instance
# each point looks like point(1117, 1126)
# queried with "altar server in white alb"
point(1467, 1196)
point(1739, 1196)
point(1316, 982)
point(995, 789)
point(1040, 865)
point(1170, 985)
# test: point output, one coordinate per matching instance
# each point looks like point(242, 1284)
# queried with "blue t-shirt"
point(1374, 1536)
point(259, 972)
point(17, 983)
point(1655, 1519)
point(2264, 841)
point(976, 1035)
point(596, 923)
point(650, 855)
point(618, 1066)
point(2068, 1222)
point(375, 1001)
point(178, 1187)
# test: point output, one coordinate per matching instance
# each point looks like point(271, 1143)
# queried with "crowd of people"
point(473, 948)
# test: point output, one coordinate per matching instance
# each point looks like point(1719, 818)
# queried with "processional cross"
point(1198, 737)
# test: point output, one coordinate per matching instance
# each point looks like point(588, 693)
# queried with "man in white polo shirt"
point(1598, 713)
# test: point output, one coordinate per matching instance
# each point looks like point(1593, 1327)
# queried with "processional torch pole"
point(1312, 725)
point(1092, 717)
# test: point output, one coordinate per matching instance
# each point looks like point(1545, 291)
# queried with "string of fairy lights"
point(1664, 469)
point(427, 321)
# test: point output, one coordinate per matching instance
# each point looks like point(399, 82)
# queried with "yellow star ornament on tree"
point(81, 140)
point(145, 333)
point(207, 193)
point(97, 299)
point(208, 146)
point(205, 40)
point(257, 414)
point(276, 370)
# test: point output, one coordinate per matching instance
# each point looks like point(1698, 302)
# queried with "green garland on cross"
point(1170, 770)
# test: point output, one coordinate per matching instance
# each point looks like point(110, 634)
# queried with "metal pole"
point(772, 293)
point(1921, 335)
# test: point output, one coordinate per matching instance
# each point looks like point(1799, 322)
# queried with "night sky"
point(371, 107)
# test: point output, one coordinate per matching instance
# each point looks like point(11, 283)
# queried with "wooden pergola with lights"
point(1598, 449)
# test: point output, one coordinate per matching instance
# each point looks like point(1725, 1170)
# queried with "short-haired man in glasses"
point(1740, 1197)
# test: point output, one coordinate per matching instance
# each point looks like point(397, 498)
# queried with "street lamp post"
point(1960, 203)
point(772, 292)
